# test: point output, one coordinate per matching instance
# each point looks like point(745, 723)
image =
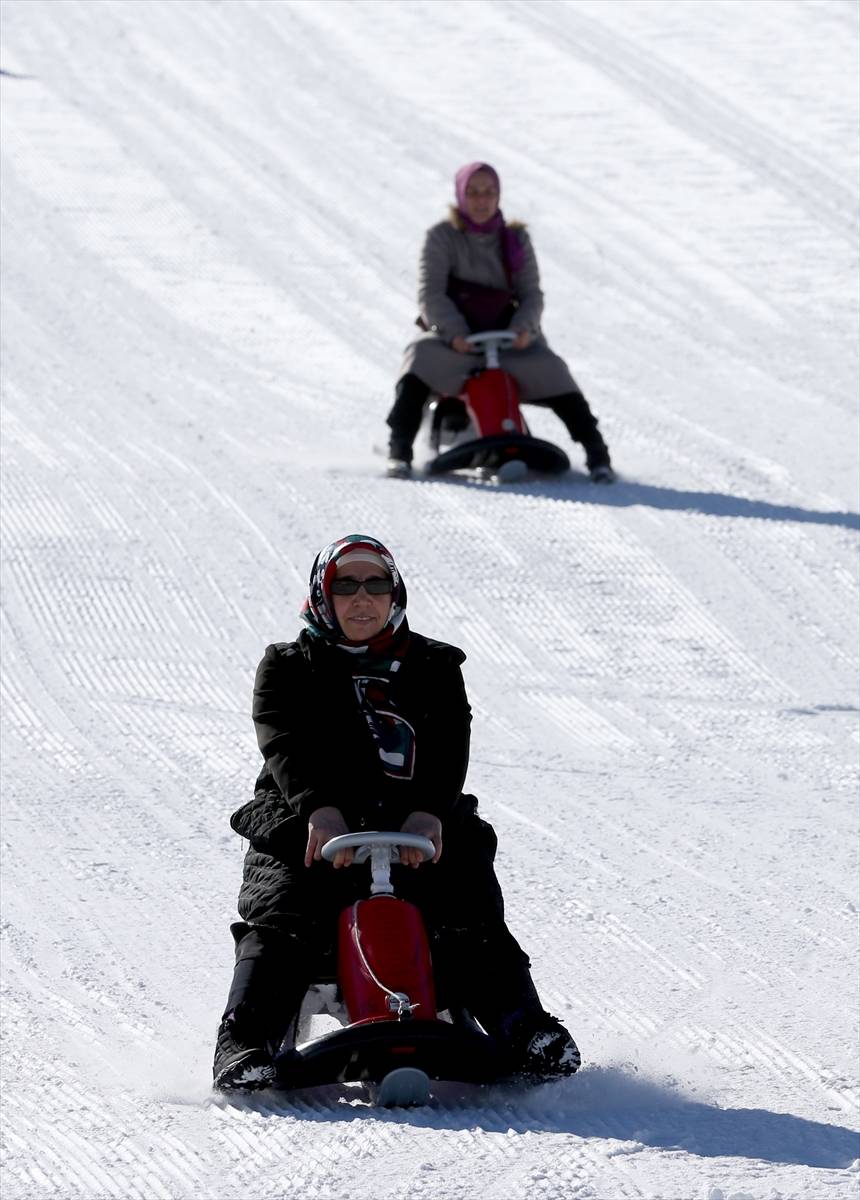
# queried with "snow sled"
point(393, 1040)
point(483, 430)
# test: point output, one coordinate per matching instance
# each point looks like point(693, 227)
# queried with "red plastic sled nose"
point(493, 401)
point(384, 967)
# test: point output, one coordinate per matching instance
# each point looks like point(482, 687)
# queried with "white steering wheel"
point(382, 849)
point(367, 841)
point(492, 342)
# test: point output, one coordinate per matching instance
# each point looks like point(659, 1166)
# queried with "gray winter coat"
point(477, 257)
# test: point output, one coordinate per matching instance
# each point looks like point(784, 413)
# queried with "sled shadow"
point(714, 504)
point(614, 1103)
point(597, 1103)
point(576, 488)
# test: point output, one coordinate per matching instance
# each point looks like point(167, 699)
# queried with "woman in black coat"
point(364, 724)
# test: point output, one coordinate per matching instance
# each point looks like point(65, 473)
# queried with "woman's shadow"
point(601, 1102)
point(576, 488)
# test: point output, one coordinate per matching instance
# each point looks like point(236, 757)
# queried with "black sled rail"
point(492, 452)
point(367, 1053)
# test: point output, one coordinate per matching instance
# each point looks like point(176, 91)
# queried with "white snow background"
point(212, 214)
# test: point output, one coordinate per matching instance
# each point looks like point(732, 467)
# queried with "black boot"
point(597, 460)
point(539, 1046)
point(243, 1054)
point(490, 973)
point(572, 408)
point(399, 466)
point(270, 979)
point(404, 420)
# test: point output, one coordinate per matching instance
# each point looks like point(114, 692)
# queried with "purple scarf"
point(512, 248)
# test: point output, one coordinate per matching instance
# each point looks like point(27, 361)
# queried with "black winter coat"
point(319, 750)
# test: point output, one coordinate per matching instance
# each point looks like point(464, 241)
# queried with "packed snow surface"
point(212, 217)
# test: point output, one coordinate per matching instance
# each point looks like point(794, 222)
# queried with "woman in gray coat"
point(479, 273)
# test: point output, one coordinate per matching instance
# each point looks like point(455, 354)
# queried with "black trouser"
point(272, 974)
point(571, 408)
point(404, 420)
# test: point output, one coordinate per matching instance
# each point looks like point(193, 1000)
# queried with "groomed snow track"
point(211, 222)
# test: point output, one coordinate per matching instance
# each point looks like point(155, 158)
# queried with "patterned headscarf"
point(318, 609)
point(375, 662)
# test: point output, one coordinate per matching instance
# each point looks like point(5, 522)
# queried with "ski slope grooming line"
point(212, 215)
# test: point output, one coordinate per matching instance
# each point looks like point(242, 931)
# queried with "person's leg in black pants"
point(478, 963)
point(573, 410)
point(280, 948)
point(270, 978)
point(404, 419)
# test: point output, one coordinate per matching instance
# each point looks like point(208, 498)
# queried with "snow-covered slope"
point(212, 214)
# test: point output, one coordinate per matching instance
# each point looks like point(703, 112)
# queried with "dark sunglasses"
point(377, 585)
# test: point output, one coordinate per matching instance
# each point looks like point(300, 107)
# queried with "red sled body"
point(483, 428)
point(383, 961)
point(392, 1038)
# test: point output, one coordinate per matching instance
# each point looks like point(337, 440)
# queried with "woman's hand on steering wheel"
point(324, 824)
point(461, 345)
point(524, 339)
point(426, 825)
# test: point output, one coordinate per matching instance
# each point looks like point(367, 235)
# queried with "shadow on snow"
point(575, 488)
point(600, 1102)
